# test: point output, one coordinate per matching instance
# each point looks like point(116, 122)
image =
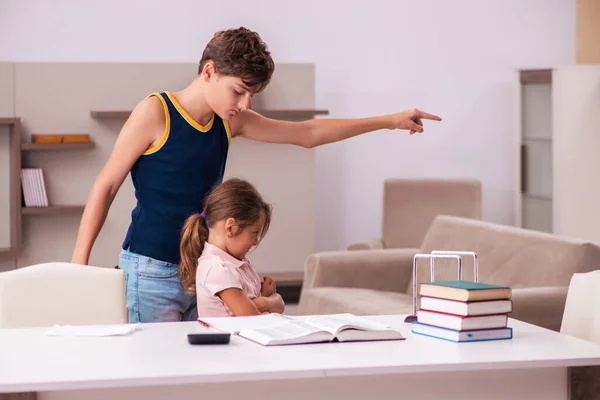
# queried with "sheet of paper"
point(97, 331)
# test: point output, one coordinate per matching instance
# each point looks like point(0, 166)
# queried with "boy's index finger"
point(425, 115)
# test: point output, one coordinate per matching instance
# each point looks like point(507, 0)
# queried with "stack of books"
point(463, 311)
point(33, 188)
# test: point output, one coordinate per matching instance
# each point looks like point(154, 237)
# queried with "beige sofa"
point(410, 205)
point(538, 266)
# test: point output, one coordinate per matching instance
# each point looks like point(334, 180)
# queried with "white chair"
point(62, 293)
point(581, 319)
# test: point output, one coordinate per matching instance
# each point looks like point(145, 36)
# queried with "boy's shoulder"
point(151, 106)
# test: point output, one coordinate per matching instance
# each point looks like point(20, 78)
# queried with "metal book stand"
point(439, 254)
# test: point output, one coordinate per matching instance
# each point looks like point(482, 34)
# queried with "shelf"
point(537, 139)
point(536, 76)
point(52, 210)
point(537, 196)
point(8, 121)
point(7, 252)
point(267, 113)
point(109, 114)
point(56, 146)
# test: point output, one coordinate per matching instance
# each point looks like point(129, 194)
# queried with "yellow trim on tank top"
point(165, 134)
point(227, 129)
point(187, 117)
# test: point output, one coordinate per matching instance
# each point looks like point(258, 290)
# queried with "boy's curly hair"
point(241, 53)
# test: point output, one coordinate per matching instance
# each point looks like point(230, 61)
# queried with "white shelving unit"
point(534, 141)
point(558, 139)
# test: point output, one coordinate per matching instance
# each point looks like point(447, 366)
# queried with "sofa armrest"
point(371, 244)
point(541, 306)
point(387, 269)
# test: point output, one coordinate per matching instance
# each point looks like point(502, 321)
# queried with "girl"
point(214, 263)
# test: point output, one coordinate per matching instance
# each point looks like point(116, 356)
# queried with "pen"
point(204, 324)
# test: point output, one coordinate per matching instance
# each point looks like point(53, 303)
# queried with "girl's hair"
point(234, 198)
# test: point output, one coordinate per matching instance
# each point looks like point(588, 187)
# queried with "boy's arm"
point(317, 132)
point(143, 127)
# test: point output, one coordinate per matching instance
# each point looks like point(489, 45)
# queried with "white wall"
point(454, 58)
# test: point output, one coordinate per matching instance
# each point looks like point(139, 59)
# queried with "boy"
point(175, 147)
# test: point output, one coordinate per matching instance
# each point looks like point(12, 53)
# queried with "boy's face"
point(228, 95)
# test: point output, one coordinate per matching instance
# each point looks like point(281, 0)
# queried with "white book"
point(44, 195)
point(35, 187)
point(276, 329)
point(466, 308)
point(37, 174)
point(461, 322)
point(30, 183)
point(26, 189)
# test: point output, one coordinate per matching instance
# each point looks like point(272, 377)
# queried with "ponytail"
point(193, 236)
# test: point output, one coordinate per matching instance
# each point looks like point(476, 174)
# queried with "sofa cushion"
point(410, 206)
point(335, 300)
point(507, 255)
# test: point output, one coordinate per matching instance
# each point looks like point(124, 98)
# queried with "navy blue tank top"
point(172, 179)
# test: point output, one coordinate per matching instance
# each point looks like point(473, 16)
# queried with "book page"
point(236, 324)
point(290, 332)
point(337, 322)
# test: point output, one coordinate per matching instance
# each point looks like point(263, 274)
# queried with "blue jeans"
point(154, 292)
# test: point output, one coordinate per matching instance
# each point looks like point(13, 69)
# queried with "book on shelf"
point(60, 138)
point(276, 329)
point(33, 187)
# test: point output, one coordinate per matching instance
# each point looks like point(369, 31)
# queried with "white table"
point(156, 361)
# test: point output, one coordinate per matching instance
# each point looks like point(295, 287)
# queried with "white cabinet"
point(558, 140)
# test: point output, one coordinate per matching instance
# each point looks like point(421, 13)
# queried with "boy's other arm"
point(144, 127)
point(317, 132)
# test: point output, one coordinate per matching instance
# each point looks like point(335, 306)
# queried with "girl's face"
point(240, 243)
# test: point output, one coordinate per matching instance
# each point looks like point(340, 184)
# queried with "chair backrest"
point(581, 317)
point(519, 258)
point(62, 293)
point(411, 205)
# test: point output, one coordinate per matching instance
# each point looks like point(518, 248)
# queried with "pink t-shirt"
point(217, 271)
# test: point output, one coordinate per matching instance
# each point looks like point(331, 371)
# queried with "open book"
point(276, 329)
